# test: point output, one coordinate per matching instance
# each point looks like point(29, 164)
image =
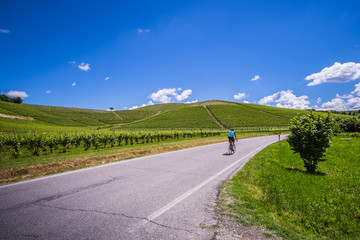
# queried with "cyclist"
point(231, 136)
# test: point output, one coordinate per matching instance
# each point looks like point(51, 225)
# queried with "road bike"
point(232, 147)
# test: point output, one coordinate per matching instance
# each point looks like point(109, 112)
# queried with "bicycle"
point(232, 147)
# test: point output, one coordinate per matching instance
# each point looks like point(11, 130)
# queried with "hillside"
point(208, 114)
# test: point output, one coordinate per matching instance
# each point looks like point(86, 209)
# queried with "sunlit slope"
point(185, 117)
point(240, 115)
point(27, 110)
point(172, 115)
point(128, 116)
point(76, 117)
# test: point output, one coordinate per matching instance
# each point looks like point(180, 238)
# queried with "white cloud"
point(334, 104)
point(134, 107)
point(194, 101)
point(357, 89)
point(48, 91)
point(336, 73)
point(289, 100)
point(140, 30)
point(163, 95)
point(6, 31)
point(184, 95)
point(73, 84)
point(107, 78)
point(14, 93)
point(286, 99)
point(110, 109)
point(344, 96)
point(318, 100)
point(167, 94)
point(344, 102)
point(269, 99)
point(150, 103)
point(84, 66)
point(256, 77)
point(239, 96)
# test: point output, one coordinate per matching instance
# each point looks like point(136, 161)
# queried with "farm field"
point(274, 191)
point(164, 116)
point(185, 117)
point(240, 115)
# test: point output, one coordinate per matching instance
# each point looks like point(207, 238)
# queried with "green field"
point(164, 116)
point(274, 191)
point(185, 117)
point(241, 115)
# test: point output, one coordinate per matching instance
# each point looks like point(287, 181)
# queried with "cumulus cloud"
point(268, 99)
point(340, 104)
point(73, 84)
point(143, 105)
point(336, 73)
point(48, 92)
point(344, 96)
point(184, 95)
point(194, 101)
point(286, 99)
point(14, 93)
point(5, 31)
point(344, 102)
point(318, 100)
point(357, 89)
point(239, 96)
point(84, 66)
point(140, 30)
point(107, 78)
point(163, 95)
point(167, 94)
point(255, 78)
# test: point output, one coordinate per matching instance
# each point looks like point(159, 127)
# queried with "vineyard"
point(35, 144)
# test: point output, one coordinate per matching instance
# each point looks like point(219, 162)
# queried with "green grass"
point(273, 190)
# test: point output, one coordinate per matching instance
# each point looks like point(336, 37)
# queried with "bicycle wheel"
point(231, 150)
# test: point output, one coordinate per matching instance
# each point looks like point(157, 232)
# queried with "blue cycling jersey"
point(231, 134)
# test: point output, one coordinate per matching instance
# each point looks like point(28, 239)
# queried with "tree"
point(310, 137)
point(17, 100)
point(111, 108)
point(9, 99)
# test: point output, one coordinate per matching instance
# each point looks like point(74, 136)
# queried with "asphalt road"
point(165, 196)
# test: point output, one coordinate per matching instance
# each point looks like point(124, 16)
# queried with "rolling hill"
point(208, 114)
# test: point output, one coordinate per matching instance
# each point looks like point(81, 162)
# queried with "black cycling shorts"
point(231, 139)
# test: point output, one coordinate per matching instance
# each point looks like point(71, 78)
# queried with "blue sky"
point(126, 54)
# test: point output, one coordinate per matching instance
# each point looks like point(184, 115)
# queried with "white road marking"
point(171, 204)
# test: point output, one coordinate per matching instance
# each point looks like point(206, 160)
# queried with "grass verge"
point(12, 170)
point(274, 191)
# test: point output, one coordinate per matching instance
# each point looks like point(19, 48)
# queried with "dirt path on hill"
point(15, 117)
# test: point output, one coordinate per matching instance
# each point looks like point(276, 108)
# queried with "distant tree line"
point(5, 98)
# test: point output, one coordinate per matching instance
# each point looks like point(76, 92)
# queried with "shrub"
point(310, 137)
point(350, 125)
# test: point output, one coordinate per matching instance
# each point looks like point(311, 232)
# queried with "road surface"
point(165, 196)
